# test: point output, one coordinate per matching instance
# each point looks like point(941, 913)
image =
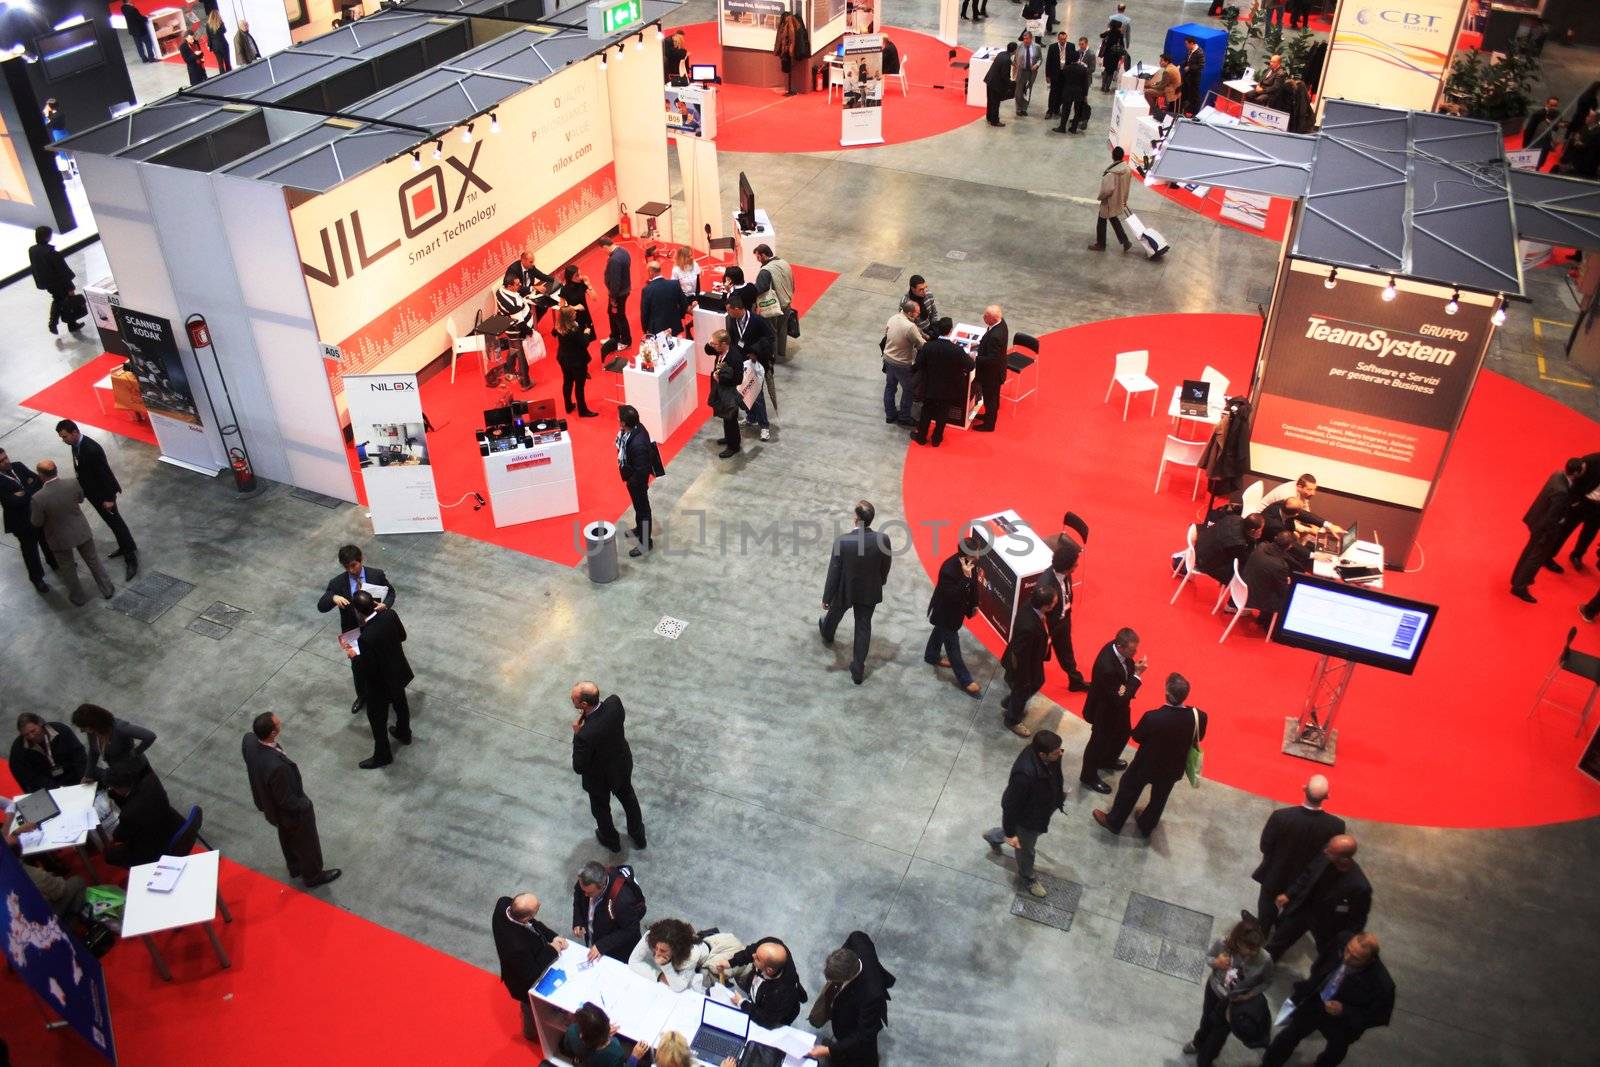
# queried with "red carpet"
point(1279, 210)
point(73, 398)
point(456, 412)
point(1451, 745)
point(751, 119)
point(303, 971)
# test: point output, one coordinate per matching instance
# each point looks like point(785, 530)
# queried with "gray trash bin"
point(600, 549)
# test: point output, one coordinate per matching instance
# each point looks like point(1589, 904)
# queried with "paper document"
point(721, 994)
point(166, 874)
point(793, 1042)
point(351, 639)
point(380, 593)
point(66, 828)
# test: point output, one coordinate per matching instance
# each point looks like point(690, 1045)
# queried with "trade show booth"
point(360, 197)
point(748, 32)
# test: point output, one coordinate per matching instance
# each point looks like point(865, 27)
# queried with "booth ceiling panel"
point(248, 81)
point(1256, 161)
point(1564, 211)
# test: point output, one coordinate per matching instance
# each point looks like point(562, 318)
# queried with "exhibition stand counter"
point(1009, 571)
point(745, 243)
point(665, 394)
point(977, 70)
point(641, 1010)
point(1128, 106)
point(529, 475)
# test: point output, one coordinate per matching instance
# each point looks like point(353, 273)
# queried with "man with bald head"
point(604, 762)
point(526, 947)
point(767, 985)
point(1291, 839)
point(54, 510)
point(1348, 992)
point(1330, 896)
point(991, 365)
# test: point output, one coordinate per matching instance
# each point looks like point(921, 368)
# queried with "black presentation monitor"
point(1353, 623)
point(747, 204)
point(703, 72)
point(498, 417)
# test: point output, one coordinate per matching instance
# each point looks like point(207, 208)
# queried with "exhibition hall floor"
point(781, 799)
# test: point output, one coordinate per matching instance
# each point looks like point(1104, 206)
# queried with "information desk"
point(1128, 106)
point(967, 336)
point(1010, 570)
point(744, 244)
point(977, 70)
point(1362, 554)
point(529, 476)
point(641, 1009)
point(665, 394)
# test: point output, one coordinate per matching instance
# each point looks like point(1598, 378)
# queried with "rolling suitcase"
point(1150, 242)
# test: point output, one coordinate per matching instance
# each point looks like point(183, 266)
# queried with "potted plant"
point(1496, 91)
point(1237, 57)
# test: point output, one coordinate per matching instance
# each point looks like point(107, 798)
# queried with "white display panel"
point(388, 431)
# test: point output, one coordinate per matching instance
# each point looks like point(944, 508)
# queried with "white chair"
point(1130, 374)
point(1239, 593)
point(835, 80)
point(474, 344)
point(1181, 453)
point(1252, 496)
point(902, 74)
point(1219, 384)
point(1187, 560)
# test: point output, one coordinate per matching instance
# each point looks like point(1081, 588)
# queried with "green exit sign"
point(608, 17)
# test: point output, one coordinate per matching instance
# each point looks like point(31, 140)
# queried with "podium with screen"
point(1345, 625)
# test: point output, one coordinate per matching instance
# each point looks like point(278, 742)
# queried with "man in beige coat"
point(55, 510)
point(1114, 182)
point(1162, 90)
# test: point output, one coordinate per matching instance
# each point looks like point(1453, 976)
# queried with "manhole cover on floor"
point(882, 272)
point(223, 614)
point(1168, 921)
point(1037, 910)
point(1063, 895)
point(150, 596)
point(1144, 949)
point(206, 628)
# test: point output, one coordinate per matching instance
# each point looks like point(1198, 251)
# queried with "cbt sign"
point(1406, 18)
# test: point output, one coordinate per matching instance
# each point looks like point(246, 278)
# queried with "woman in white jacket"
point(751, 397)
point(669, 953)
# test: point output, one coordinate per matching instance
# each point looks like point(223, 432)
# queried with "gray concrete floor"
point(780, 798)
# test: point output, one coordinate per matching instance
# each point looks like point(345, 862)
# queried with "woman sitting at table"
point(591, 1039)
point(111, 741)
point(572, 354)
point(671, 1051)
point(669, 953)
point(575, 294)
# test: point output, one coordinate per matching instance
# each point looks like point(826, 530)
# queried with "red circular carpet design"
point(1452, 745)
point(751, 119)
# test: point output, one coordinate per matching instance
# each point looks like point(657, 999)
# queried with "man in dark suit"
point(341, 588)
point(767, 983)
point(17, 486)
point(940, 371)
point(619, 283)
point(855, 1002)
point(526, 947)
point(991, 365)
point(997, 83)
point(1267, 573)
point(954, 600)
point(857, 570)
point(1056, 57)
point(1034, 792)
point(1027, 651)
point(51, 274)
point(1226, 542)
point(147, 820)
point(1583, 512)
point(601, 756)
point(538, 288)
point(1348, 993)
point(1113, 683)
point(1165, 736)
point(661, 302)
point(280, 795)
point(1063, 562)
point(1075, 81)
point(1543, 520)
point(1331, 894)
point(46, 755)
point(380, 662)
point(607, 908)
point(747, 333)
point(1291, 839)
point(100, 488)
point(1194, 70)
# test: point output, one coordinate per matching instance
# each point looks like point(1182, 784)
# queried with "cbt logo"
point(1395, 16)
point(425, 201)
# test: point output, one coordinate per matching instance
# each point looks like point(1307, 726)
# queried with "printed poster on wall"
point(1363, 391)
point(391, 445)
point(63, 973)
point(861, 121)
point(153, 354)
point(750, 23)
point(392, 255)
point(1394, 53)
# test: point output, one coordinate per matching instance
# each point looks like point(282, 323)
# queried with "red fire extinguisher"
point(625, 225)
point(243, 477)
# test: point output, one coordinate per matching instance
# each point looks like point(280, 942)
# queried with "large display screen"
point(1352, 623)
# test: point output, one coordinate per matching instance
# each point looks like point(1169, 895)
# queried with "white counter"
point(1009, 571)
point(534, 481)
point(665, 396)
point(977, 69)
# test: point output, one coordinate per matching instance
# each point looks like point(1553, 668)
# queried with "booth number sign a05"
point(607, 17)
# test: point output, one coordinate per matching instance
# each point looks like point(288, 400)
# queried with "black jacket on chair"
point(1034, 792)
point(340, 586)
point(777, 1002)
point(1329, 899)
point(858, 568)
point(1290, 840)
point(93, 471)
point(955, 595)
point(33, 770)
point(600, 751)
point(861, 1009)
point(524, 953)
point(617, 915)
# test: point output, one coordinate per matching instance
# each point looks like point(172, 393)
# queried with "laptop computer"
point(723, 1032)
point(37, 807)
point(1195, 399)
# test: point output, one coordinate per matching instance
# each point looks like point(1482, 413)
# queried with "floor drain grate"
point(206, 628)
point(1040, 912)
point(223, 614)
point(1152, 952)
point(882, 272)
point(1167, 921)
point(150, 596)
point(955, 253)
point(322, 501)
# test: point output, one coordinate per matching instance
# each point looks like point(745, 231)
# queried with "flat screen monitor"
point(73, 50)
point(703, 72)
point(747, 204)
point(1353, 623)
point(1348, 541)
point(497, 417)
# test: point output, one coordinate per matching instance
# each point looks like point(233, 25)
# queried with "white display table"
point(665, 395)
point(744, 244)
point(1009, 571)
point(641, 1010)
point(706, 323)
point(76, 803)
point(1362, 554)
point(531, 480)
point(194, 901)
point(1128, 106)
point(977, 70)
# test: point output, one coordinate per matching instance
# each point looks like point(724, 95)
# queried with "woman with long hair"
point(669, 953)
point(217, 41)
point(572, 355)
point(1113, 55)
point(1240, 968)
point(574, 293)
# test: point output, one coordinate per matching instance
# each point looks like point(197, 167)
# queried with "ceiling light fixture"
point(438, 151)
point(494, 122)
point(1455, 303)
point(659, 35)
point(602, 61)
point(1499, 316)
point(466, 134)
point(638, 43)
point(1332, 279)
point(416, 160)
point(1390, 291)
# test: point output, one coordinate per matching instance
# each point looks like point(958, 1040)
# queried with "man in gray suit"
point(856, 573)
point(279, 795)
point(54, 509)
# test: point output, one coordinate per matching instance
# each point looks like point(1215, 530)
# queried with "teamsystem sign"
point(1379, 341)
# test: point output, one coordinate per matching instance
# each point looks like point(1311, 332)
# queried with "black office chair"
point(1080, 533)
point(1018, 365)
point(1582, 664)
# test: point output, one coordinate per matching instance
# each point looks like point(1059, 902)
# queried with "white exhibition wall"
point(269, 23)
point(638, 133)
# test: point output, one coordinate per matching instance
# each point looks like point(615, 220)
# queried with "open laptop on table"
point(37, 807)
point(1338, 547)
point(723, 1032)
point(1195, 399)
